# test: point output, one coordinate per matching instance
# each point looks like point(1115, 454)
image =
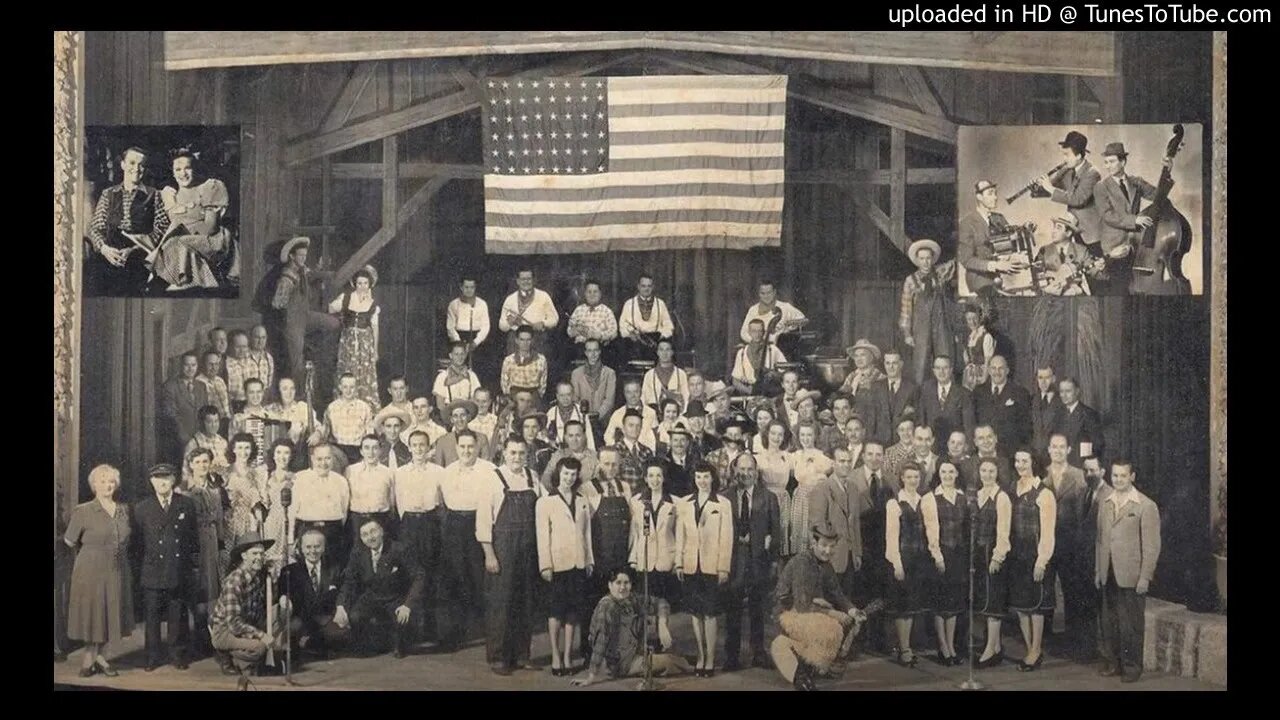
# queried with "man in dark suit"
point(1045, 408)
point(973, 249)
point(1075, 185)
point(1096, 493)
point(1080, 423)
point(873, 486)
point(167, 537)
point(1119, 199)
point(681, 459)
point(311, 583)
point(181, 397)
point(757, 533)
point(380, 587)
point(1003, 405)
point(986, 444)
point(904, 394)
point(945, 405)
point(127, 218)
point(703, 442)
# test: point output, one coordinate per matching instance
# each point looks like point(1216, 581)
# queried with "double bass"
point(1158, 252)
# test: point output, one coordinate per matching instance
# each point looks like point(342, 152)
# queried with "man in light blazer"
point(1069, 490)
point(1127, 551)
point(838, 503)
point(757, 532)
point(945, 405)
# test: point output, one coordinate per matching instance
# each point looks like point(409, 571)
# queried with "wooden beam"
point(390, 180)
point(388, 232)
point(898, 187)
point(874, 213)
point(1076, 53)
point(858, 104)
point(915, 176)
point(921, 90)
point(408, 171)
point(398, 121)
point(349, 96)
point(312, 231)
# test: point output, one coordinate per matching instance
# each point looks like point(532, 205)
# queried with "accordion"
point(1015, 244)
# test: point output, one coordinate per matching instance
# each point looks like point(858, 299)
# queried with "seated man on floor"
point(238, 623)
point(310, 585)
point(617, 634)
point(379, 590)
point(817, 620)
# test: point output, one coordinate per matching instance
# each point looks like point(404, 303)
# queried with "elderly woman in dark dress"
point(101, 603)
point(203, 487)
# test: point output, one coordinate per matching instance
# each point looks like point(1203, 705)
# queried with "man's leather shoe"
point(180, 664)
point(1108, 670)
point(761, 661)
point(150, 667)
point(1131, 677)
point(502, 670)
point(398, 654)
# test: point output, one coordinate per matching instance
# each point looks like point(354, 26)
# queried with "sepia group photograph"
point(662, 360)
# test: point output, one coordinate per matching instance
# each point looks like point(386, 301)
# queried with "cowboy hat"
point(392, 411)
point(289, 247)
point(540, 416)
point(1076, 141)
point(368, 270)
point(716, 389)
point(803, 395)
point(864, 344)
point(739, 420)
point(469, 405)
point(1117, 149)
point(246, 541)
point(679, 428)
point(921, 244)
point(695, 409)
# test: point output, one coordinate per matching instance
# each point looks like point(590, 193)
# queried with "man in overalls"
point(293, 318)
point(610, 527)
point(506, 532)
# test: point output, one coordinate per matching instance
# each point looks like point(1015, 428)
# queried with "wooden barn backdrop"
point(378, 160)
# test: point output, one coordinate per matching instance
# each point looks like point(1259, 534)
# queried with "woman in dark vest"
point(907, 550)
point(946, 524)
point(991, 511)
point(358, 344)
point(1031, 541)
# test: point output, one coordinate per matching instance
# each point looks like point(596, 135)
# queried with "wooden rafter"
point(419, 171)
point(349, 97)
point(425, 113)
point(388, 232)
point(922, 92)
point(1075, 53)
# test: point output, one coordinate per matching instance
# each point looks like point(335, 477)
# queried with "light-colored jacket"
point(705, 546)
point(662, 536)
point(1128, 540)
point(841, 510)
point(564, 538)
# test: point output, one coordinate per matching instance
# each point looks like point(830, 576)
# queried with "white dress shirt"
point(417, 487)
point(320, 498)
point(372, 487)
point(466, 317)
point(632, 323)
point(790, 313)
point(540, 309)
point(461, 486)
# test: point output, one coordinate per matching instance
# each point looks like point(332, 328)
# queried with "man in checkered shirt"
point(128, 220)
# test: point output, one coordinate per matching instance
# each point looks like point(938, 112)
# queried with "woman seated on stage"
point(665, 379)
point(618, 628)
point(946, 524)
point(199, 249)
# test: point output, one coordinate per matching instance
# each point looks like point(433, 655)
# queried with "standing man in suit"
point(381, 587)
point(1003, 405)
point(904, 394)
point(945, 405)
point(874, 485)
point(1069, 488)
point(1080, 423)
point(1075, 185)
point(757, 532)
point(838, 504)
point(1045, 408)
point(181, 397)
point(973, 250)
point(1097, 490)
point(1127, 550)
point(311, 584)
point(169, 540)
point(1119, 199)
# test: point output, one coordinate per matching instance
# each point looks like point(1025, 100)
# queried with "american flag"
point(669, 162)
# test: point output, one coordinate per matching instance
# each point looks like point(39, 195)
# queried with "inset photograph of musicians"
point(1082, 210)
point(164, 209)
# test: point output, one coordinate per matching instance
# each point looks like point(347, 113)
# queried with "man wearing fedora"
point(702, 441)
point(459, 413)
point(392, 451)
point(681, 458)
point(973, 249)
point(238, 623)
point(292, 315)
point(166, 533)
point(924, 316)
point(1065, 259)
point(1119, 198)
point(1074, 186)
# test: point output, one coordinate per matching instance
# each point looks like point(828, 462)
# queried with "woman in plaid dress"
point(358, 344)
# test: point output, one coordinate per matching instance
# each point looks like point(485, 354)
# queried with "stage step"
point(1184, 643)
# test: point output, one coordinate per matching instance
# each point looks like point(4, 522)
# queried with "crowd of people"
point(467, 508)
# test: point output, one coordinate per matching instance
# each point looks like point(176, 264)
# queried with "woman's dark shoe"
point(956, 660)
point(106, 670)
point(941, 659)
point(990, 662)
point(907, 662)
point(89, 671)
point(1024, 666)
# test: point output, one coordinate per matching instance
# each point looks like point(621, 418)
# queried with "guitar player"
point(128, 221)
point(1120, 197)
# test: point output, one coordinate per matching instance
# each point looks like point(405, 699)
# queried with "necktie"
point(893, 387)
point(376, 556)
point(315, 577)
point(942, 395)
point(1046, 398)
point(875, 486)
point(995, 391)
point(744, 511)
point(164, 505)
point(1124, 188)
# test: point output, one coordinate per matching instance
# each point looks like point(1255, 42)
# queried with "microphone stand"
point(647, 683)
point(971, 683)
point(286, 499)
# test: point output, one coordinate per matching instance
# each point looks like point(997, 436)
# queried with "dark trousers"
point(461, 577)
point(102, 279)
point(1121, 625)
point(319, 326)
point(373, 619)
point(420, 532)
point(1079, 601)
point(175, 601)
point(1119, 275)
point(321, 632)
point(751, 586)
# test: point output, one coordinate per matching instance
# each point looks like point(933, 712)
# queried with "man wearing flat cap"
point(166, 533)
point(1074, 185)
point(291, 316)
point(974, 251)
point(1119, 198)
point(238, 623)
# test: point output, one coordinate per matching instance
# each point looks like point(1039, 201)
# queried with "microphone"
point(286, 495)
point(648, 515)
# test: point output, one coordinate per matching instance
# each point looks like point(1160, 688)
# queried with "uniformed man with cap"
point(166, 532)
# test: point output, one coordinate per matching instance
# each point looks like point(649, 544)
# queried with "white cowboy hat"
point(920, 244)
point(288, 248)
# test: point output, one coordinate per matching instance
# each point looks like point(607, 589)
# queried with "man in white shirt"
point(467, 317)
point(398, 389)
point(461, 581)
point(372, 490)
point(567, 410)
point(422, 420)
point(348, 418)
point(649, 417)
point(505, 529)
point(417, 491)
point(643, 321)
point(779, 317)
point(485, 423)
point(575, 446)
point(260, 357)
point(456, 382)
point(320, 500)
point(528, 306)
point(755, 360)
